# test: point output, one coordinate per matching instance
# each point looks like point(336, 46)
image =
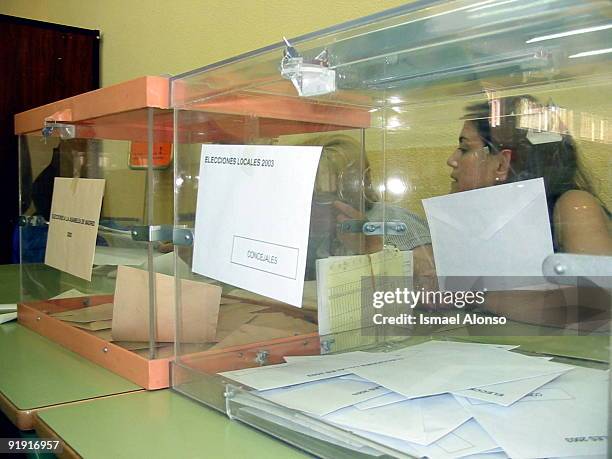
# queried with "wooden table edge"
point(46, 432)
point(24, 419)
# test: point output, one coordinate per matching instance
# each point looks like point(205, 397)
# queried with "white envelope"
point(501, 231)
point(423, 371)
point(496, 455)
point(422, 421)
point(466, 440)
point(8, 307)
point(7, 317)
point(324, 397)
point(441, 416)
point(298, 422)
point(506, 394)
point(402, 420)
point(308, 370)
point(382, 400)
point(566, 417)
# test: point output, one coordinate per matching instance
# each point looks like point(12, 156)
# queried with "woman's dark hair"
point(553, 158)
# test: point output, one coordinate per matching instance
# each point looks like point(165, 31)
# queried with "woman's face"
point(472, 164)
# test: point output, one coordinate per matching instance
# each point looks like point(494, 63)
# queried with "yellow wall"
point(159, 37)
point(142, 37)
point(153, 37)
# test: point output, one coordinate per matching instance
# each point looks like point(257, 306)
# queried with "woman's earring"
point(497, 179)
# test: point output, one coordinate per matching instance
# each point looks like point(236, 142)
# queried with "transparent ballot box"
point(409, 218)
point(95, 234)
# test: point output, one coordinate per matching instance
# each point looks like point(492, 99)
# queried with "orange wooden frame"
point(143, 92)
point(150, 373)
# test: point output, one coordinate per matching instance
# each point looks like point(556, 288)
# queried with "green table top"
point(537, 339)
point(158, 424)
point(36, 372)
point(9, 284)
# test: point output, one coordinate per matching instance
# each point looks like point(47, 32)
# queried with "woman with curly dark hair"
point(499, 145)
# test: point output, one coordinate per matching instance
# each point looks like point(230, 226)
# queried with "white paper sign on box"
point(253, 217)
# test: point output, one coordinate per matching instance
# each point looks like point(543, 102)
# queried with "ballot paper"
point(287, 374)
point(569, 421)
point(424, 371)
point(339, 286)
point(73, 226)
point(253, 217)
point(473, 235)
point(325, 396)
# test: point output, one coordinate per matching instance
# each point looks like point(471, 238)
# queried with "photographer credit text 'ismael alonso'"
point(407, 299)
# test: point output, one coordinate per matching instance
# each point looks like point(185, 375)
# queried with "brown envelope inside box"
point(263, 327)
point(87, 314)
point(199, 309)
point(247, 334)
point(93, 326)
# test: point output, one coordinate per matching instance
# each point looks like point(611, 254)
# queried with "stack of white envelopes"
point(439, 399)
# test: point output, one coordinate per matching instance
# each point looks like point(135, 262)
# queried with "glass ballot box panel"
point(433, 278)
point(95, 236)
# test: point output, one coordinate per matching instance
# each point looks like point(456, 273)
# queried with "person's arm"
point(581, 225)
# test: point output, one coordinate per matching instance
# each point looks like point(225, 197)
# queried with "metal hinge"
point(374, 228)
point(262, 357)
point(155, 233)
point(32, 220)
point(182, 236)
point(566, 268)
point(326, 345)
point(66, 131)
point(160, 233)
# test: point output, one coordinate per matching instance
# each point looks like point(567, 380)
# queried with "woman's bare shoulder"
point(581, 224)
point(572, 199)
